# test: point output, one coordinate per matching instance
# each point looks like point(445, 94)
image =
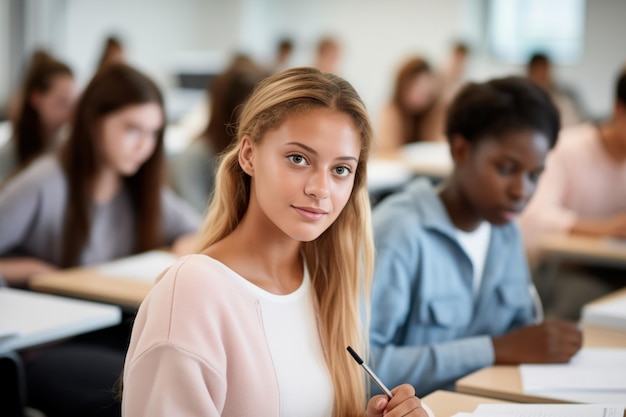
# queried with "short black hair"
point(500, 106)
point(620, 91)
point(538, 58)
point(285, 44)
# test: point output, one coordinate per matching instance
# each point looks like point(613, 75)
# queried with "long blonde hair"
point(340, 261)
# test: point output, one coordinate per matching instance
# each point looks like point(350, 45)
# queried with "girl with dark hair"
point(44, 107)
point(193, 171)
point(102, 197)
point(112, 53)
point(414, 113)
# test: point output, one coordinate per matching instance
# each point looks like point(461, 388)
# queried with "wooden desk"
point(588, 250)
point(447, 404)
point(41, 318)
point(116, 282)
point(504, 382)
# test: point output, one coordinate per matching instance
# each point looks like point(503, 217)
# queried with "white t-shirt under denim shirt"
point(476, 244)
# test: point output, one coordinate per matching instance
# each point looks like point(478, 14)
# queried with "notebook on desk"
point(607, 314)
point(7, 333)
point(595, 376)
point(545, 410)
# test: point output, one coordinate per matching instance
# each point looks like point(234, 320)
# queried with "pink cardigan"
point(198, 348)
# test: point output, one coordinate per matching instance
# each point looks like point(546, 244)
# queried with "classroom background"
point(169, 38)
point(184, 45)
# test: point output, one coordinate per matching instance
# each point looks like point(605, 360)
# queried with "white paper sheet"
point(590, 369)
point(592, 376)
point(545, 410)
point(142, 267)
point(8, 332)
point(609, 314)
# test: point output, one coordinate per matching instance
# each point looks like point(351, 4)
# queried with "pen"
point(371, 373)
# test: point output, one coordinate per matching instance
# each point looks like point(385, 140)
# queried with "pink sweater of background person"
point(581, 180)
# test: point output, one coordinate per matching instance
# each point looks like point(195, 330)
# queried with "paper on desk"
point(608, 314)
point(545, 410)
point(7, 332)
point(142, 267)
point(589, 370)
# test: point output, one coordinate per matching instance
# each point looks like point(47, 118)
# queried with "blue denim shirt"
point(427, 327)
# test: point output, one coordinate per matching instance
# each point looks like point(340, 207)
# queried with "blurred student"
point(583, 192)
point(454, 73)
point(193, 171)
point(284, 52)
point(102, 196)
point(112, 53)
point(44, 106)
point(327, 55)
point(257, 324)
point(99, 199)
point(539, 70)
point(452, 291)
point(414, 113)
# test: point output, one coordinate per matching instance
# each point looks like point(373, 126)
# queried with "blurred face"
point(303, 171)
point(540, 74)
point(129, 137)
point(419, 93)
point(55, 106)
point(498, 176)
point(115, 54)
point(328, 58)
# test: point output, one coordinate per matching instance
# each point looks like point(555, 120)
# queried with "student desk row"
point(116, 286)
point(29, 319)
point(124, 282)
point(587, 250)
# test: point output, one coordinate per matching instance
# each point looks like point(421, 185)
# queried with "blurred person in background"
point(113, 52)
point(100, 198)
point(454, 73)
point(415, 112)
point(284, 51)
point(539, 70)
point(193, 171)
point(582, 192)
point(43, 107)
point(327, 55)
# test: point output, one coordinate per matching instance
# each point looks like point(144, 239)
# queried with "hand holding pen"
point(401, 401)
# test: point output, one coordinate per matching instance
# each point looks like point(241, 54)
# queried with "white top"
point(476, 244)
point(293, 337)
point(581, 180)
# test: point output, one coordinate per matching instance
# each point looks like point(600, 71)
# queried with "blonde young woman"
point(258, 322)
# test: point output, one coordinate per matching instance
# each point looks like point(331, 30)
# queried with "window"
point(518, 28)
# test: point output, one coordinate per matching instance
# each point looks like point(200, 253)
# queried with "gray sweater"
point(32, 213)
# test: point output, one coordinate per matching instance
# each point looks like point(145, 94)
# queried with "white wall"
point(376, 36)
point(5, 54)
point(156, 32)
